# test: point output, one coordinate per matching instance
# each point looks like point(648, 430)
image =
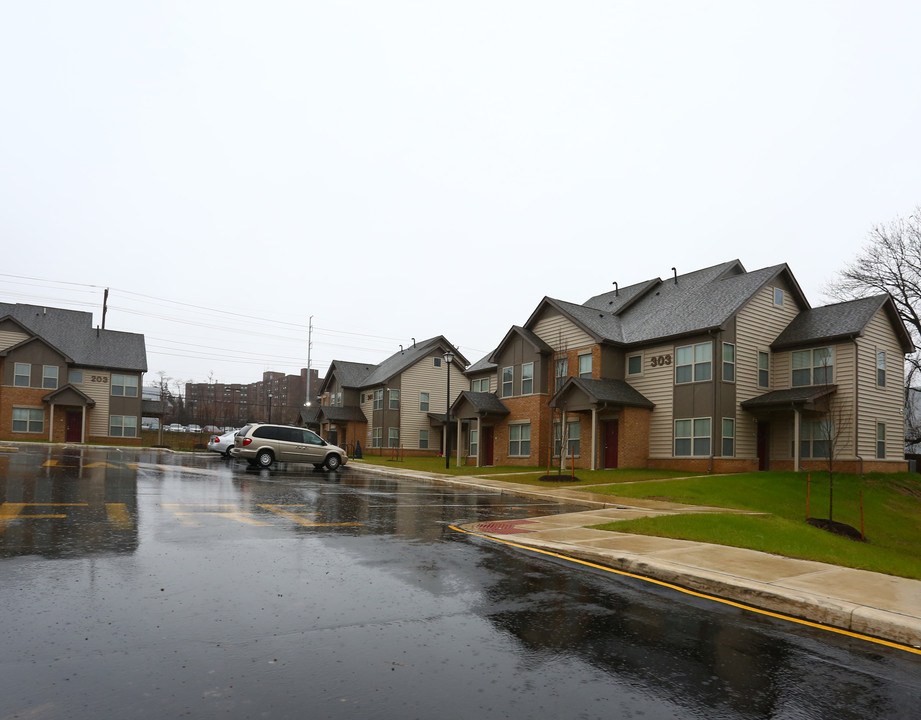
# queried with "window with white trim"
point(377, 435)
point(394, 399)
point(393, 437)
point(813, 367)
point(778, 297)
point(562, 372)
point(527, 378)
point(123, 426)
point(423, 439)
point(508, 381)
point(28, 420)
point(635, 365)
point(424, 402)
point(693, 363)
point(881, 441)
point(585, 365)
point(22, 374)
point(729, 362)
point(519, 440)
point(816, 438)
point(474, 442)
point(378, 400)
point(881, 368)
point(729, 437)
point(572, 438)
point(50, 377)
point(124, 385)
point(692, 437)
point(764, 369)
point(480, 385)
point(75, 377)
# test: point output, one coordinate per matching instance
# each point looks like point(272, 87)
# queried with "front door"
point(73, 423)
point(764, 445)
point(489, 444)
point(610, 444)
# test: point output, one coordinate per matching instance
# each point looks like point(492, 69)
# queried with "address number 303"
point(659, 360)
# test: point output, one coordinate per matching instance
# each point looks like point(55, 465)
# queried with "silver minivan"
point(262, 444)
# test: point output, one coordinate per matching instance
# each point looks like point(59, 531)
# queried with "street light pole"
point(270, 407)
point(449, 358)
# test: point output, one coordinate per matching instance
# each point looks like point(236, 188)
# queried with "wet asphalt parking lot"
point(147, 584)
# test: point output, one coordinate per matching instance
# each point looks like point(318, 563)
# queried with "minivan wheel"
point(264, 458)
point(333, 462)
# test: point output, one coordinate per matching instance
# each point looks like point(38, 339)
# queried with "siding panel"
point(657, 385)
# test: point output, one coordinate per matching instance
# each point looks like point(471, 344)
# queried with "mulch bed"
point(837, 528)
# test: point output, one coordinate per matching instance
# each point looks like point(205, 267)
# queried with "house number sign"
point(660, 360)
point(99, 378)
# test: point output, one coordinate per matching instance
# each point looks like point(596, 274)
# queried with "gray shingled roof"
point(654, 310)
point(483, 403)
point(612, 392)
point(481, 365)
point(349, 374)
point(831, 322)
point(788, 397)
point(400, 361)
point(72, 332)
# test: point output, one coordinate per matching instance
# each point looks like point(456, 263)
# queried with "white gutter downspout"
point(51, 425)
point(479, 438)
point(594, 437)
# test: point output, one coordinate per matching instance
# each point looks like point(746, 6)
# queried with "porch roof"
point(791, 397)
point(69, 395)
point(601, 392)
point(480, 404)
point(347, 413)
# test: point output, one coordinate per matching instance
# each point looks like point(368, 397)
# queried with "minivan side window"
point(311, 438)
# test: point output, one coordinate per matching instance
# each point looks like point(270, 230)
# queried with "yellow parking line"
point(300, 519)
point(724, 601)
point(118, 515)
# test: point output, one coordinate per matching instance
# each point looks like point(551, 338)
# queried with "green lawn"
point(891, 516)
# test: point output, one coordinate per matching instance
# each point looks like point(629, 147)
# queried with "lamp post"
point(449, 358)
point(270, 407)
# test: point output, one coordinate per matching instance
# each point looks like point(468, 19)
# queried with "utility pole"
point(309, 346)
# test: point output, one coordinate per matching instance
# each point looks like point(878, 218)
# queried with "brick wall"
point(533, 407)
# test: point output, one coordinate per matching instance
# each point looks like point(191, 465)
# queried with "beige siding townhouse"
point(399, 404)
point(719, 369)
point(61, 380)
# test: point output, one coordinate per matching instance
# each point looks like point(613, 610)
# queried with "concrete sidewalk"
point(859, 601)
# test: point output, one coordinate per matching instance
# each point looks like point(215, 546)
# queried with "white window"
point(764, 369)
point(125, 385)
point(816, 437)
point(880, 440)
point(376, 435)
point(22, 374)
point(692, 437)
point(729, 437)
point(393, 437)
point(123, 426)
point(394, 399)
point(585, 366)
point(75, 377)
point(778, 297)
point(527, 378)
point(881, 368)
point(49, 377)
point(693, 363)
point(424, 402)
point(508, 377)
point(729, 362)
point(813, 367)
point(572, 438)
point(562, 372)
point(635, 365)
point(378, 400)
point(481, 385)
point(474, 442)
point(519, 440)
point(28, 420)
point(423, 439)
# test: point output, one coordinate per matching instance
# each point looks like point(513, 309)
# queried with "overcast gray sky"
point(400, 170)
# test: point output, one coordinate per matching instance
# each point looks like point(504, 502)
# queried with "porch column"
point(83, 425)
point(796, 430)
point(479, 439)
point(459, 436)
point(594, 438)
point(563, 442)
point(51, 425)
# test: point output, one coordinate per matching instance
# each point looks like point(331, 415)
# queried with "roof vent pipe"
point(401, 349)
point(414, 342)
point(616, 293)
point(676, 275)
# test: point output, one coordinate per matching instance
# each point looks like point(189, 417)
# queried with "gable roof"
point(71, 332)
point(481, 365)
point(605, 392)
point(527, 335)
point(838, 322)
point(682, 305)
point(349, 374)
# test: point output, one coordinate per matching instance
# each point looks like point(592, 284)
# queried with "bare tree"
point(833, 427)
point(890, 262)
